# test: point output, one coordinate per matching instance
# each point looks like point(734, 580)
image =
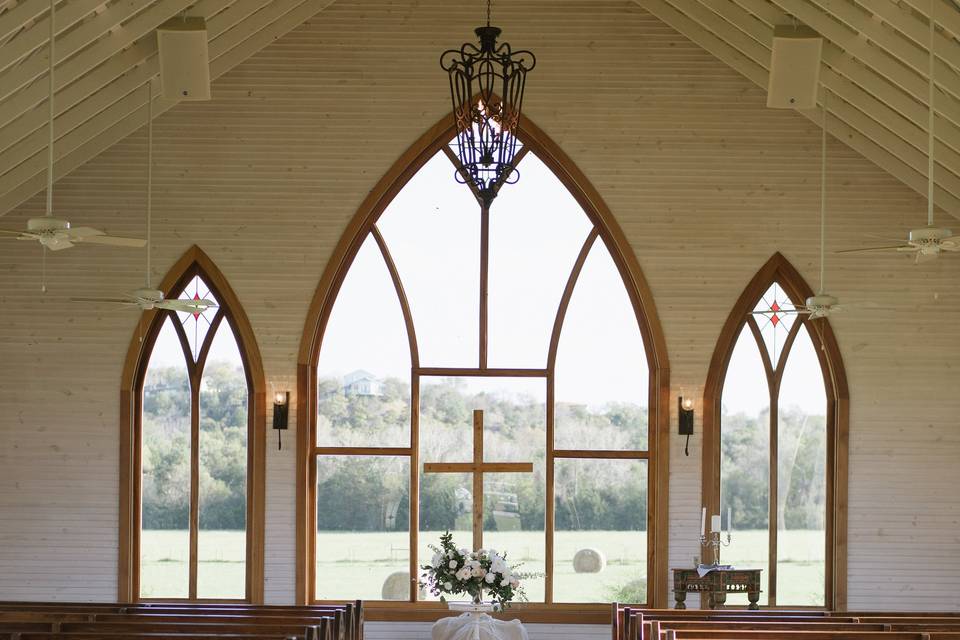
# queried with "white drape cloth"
point(477, 627)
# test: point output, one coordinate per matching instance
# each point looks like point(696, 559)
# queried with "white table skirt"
point(477, 626)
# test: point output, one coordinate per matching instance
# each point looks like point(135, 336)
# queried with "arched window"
point(192, 495)
point(533, 312)
point(774, 451)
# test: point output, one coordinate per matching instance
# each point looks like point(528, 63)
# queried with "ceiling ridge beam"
point(758, 75)
point(870, 55)
point(890, 40)
point(26, 136)
point(854, 78)
point(39, 34)
point(292, 15)
point(897, 135)
point(92, 42)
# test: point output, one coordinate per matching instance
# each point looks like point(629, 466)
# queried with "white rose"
point(447, 586)
point(514, 583)
point(491, 578)
point(437, 559)
point(504, 582)
point(452, 564)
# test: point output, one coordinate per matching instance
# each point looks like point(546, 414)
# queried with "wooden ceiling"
point(874, 66)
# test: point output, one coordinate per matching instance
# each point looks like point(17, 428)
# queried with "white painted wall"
point(706, 182)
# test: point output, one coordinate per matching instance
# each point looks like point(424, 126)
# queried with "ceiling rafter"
point(239, 43)
point(36, 35)
point(26, 12)
point(123, 69)
point(857, 108)
point(110, 101)
point(757, 73)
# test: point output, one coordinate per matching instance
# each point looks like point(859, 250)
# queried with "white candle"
point(715, 523)
point(703, 522)
point(729, 520)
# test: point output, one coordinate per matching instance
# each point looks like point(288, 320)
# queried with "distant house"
point(362, 383)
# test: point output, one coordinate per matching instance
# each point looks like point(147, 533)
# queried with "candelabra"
point(713, 540)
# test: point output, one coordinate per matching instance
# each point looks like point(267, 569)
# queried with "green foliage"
point(629, 592)
point(223, 448)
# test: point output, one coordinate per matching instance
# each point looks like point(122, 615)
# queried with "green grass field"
point(355, 565)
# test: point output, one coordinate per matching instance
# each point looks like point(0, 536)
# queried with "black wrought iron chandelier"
point(486, 87)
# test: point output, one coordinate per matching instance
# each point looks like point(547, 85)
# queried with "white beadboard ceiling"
point(874, 65)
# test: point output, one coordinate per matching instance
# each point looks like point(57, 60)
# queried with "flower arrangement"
point(457, 571)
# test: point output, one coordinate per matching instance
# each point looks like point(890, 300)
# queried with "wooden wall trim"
point(194, 260)
point(778, 269)
point(637, 288)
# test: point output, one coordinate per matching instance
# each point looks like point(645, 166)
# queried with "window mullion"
point(484, 279)
point(414, 506)
point(194, 478)
point(772, 526)
point(549, 514)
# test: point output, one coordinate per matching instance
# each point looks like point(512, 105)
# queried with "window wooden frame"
point(194, 262)
point(605, 230)
point(779, 270)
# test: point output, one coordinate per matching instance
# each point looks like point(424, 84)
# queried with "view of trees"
point(223, 448)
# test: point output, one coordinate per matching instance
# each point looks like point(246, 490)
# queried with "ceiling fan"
point(147, 298)
point(925, 243)
point(822, 304)
point(56, 234)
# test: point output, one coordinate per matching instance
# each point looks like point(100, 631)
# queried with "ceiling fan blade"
point(56, 244)
point(898, 247)
point(877, 236)
point(950, 244)
point(11, 232)
point(186, 306)
point(113, 241)
point(127, 303)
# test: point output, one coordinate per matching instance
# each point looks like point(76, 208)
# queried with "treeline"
point(223, 448)
point(372, 493)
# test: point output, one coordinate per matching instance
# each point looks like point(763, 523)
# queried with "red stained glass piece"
point(775, 306)
point(774, 320)
point(196, 315)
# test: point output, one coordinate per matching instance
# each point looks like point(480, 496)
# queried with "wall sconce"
point(281, 412)
point(685, 408)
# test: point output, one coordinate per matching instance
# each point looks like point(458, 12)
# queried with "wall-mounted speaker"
point(794, 68)
point(184, 59)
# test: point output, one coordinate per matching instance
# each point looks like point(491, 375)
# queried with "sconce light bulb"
point(688, 404)
point(280, 398)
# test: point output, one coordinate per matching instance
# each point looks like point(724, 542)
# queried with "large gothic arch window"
point(531, 312)
point(775, 442)
point(193, 404)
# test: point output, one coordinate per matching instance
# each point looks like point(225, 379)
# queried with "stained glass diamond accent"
point(196, 324)
point(775, 315)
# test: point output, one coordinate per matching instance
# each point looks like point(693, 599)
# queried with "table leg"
point(706, 600)
point(680, 596)
point(754, 598)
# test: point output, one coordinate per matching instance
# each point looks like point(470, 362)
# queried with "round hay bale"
point(589, 561)
point(396, 586)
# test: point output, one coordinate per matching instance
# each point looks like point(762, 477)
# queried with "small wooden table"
point(714, 586)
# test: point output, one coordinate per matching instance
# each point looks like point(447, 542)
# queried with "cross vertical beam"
point(478, 467)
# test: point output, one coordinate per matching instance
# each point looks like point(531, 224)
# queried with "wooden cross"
point(478, 467)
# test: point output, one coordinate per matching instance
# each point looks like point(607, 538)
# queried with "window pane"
point(601, 522)
point(221, 556)
point(363, 372)
point(745, 460)
point(196, 325)
point(801, 477)
point(363, 524)
point(536, 231)
point(514, 431)
point(165, 533)
point(602, 375)
point(775, 316)
point(433, 230)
